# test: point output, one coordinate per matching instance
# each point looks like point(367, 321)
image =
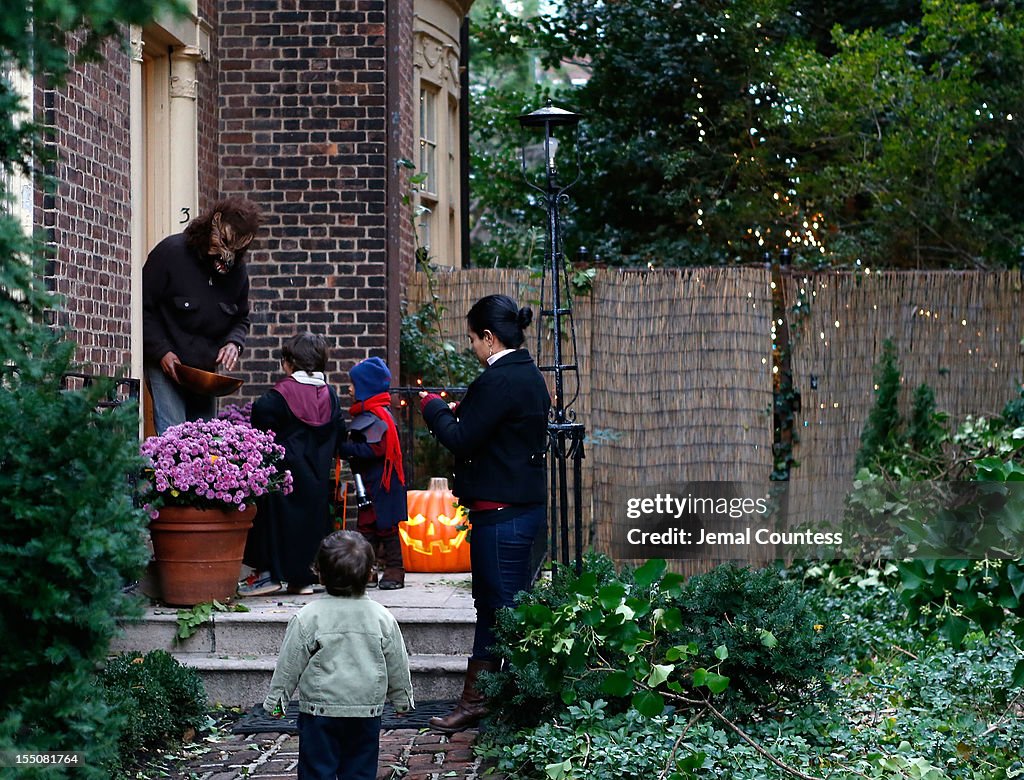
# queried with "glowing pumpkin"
point(435, 537)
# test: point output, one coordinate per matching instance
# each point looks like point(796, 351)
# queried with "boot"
point(393, 577)
point(472, 706)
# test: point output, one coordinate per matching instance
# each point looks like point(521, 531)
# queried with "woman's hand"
point(228, 356)
point(426, 397)
point(169, 364)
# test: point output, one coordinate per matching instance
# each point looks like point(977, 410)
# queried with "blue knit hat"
point(370, 378)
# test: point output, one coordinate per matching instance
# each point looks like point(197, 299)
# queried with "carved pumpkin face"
point(434, 538)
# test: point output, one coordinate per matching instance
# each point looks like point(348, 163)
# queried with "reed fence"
point(677, 369)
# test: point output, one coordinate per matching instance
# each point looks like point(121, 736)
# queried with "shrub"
point(779, 648)
point(70, 538)
point(163, 702)
point(629, 638)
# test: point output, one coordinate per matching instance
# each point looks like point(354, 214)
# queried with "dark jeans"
point(338, 748)
point(501, 550)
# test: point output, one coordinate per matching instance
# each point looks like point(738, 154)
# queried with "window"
point(428, 166)
point(436, 88)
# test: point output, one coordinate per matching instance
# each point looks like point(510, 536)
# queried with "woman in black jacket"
point(498, 434)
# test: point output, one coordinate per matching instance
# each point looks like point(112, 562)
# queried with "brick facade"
point(303, 131)
point(208, 109)
point(87, 216)
point(298, 109)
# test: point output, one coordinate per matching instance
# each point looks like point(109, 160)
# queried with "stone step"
point(426, 632)
point(235, 652)
point(242, 681)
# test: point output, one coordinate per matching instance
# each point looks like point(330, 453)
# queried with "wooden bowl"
point(206, 382)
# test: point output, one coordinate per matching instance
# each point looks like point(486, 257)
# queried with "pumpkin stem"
point(438, 483)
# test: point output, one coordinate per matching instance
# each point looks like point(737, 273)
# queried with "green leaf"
point(648, 704)
point(1017, 678)
point(677, 652)
point(659, 673)
point(721, 652)
point(618, 683)
point(1015, 576)
point(954, 629)
point(611, 595)
point(672, 583)
point(768, 638)
point(716, 682)
point(649, 573)
point(560, 770)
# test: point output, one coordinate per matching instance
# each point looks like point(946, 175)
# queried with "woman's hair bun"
point(524, 317)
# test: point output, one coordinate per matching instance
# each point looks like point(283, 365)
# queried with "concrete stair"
point(235, 652)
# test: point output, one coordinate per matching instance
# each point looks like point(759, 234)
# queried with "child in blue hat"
point(374, 451)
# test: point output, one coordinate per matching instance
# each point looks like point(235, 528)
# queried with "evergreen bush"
point(779, 647)
point(163, 702)
point(70, 538)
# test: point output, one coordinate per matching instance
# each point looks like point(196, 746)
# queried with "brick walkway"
point(405, 754)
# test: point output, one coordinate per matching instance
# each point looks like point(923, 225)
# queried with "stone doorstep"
point(243, 681)
point(426, 631)
point(235, 652)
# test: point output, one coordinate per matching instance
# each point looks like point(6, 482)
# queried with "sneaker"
point(300, 590)
point(259, 584)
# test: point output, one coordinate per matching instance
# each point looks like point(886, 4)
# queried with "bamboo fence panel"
point(681, 379)
point(959, 332)
point(675, 369)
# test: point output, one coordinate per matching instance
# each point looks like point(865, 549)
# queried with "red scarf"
point(379, 405)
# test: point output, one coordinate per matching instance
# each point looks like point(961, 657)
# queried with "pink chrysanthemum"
point(214, 463)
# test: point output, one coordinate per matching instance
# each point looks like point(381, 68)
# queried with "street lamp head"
point(549, 116)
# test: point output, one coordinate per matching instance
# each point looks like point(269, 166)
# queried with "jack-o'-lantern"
point(435, 537)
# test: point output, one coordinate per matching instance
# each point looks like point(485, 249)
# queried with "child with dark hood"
point(304, 413)
point(374, 452)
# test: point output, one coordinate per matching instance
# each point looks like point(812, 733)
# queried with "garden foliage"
point(161, 701)
point(900, 704)
point(70, 536)
point(644, 638)
point(958, 543)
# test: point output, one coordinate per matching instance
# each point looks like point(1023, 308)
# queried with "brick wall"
point(303, 131)
point(87, 216)
point(206, 107)
point(402, 106)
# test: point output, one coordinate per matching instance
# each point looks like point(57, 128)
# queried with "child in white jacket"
point(346, 655)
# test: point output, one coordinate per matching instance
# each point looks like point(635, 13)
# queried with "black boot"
point(393, 577)
point(472, 706)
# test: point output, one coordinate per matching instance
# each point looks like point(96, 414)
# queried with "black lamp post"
point(565, 434)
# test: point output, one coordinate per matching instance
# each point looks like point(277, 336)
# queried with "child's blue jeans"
point(332, 748)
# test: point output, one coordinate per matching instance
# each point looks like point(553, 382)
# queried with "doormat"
point(256, 721)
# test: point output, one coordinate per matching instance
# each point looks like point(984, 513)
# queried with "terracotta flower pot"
point(198, 552)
